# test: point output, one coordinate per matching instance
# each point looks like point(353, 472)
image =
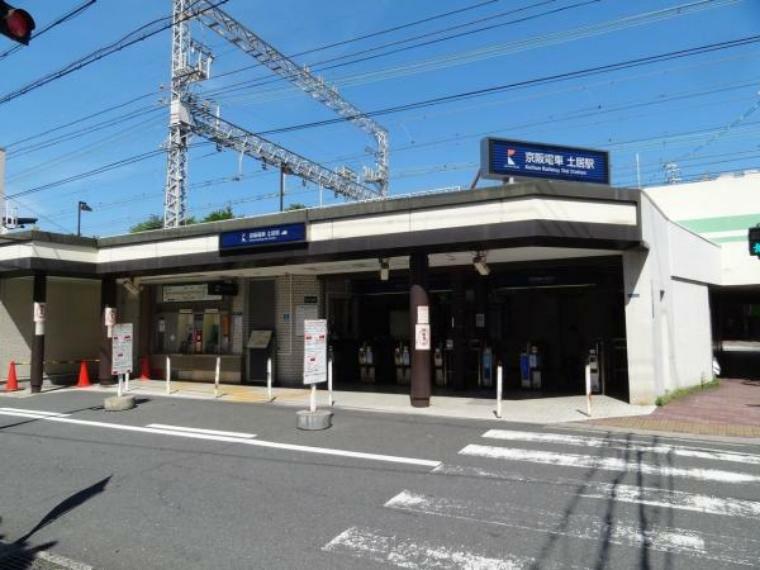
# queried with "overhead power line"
point(70, 15)
point(112, 48)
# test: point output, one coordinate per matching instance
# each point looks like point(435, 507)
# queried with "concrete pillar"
point(39, 298)
point(418, 297)
point(107, 300)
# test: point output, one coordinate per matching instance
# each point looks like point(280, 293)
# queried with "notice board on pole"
point(122, 341)
point(314, 351)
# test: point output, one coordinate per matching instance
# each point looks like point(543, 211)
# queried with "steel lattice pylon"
point(190, 115)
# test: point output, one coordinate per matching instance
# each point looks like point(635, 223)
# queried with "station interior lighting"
point(481, 266)
point(385, 269)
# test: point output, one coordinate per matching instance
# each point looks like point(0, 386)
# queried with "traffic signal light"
point(16, 24)
point(754, 241)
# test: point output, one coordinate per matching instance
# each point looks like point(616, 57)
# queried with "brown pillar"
point(107, 299)
point(418, 297)
point(39, 297)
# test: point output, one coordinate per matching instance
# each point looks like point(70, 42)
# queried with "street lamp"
point(82, 207)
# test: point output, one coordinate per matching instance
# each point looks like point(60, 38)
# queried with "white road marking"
point(623, 445)
point(680, 500)
point(35, 412)
point(605, 463)
point(678, 541)
point(239, 434)
point(253, 442)
point(62, 561)
point(406, 553)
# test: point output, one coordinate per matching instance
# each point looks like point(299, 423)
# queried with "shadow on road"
point(20, 555)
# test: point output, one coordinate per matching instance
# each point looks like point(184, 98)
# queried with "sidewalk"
point(541, 410)
point(733, 410)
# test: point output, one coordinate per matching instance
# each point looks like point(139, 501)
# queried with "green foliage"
point(154, 222)
point(683, 392)
point(219, 215)
point(296, 206)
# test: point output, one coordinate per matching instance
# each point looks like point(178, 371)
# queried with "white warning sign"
point(314, 351)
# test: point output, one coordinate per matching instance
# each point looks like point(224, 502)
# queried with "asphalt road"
point(115, 491)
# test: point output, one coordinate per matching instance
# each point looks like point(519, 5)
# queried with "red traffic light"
point(16, 24)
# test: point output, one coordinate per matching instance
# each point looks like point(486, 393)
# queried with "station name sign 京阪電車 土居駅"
point(257, 237)
point(502, 158)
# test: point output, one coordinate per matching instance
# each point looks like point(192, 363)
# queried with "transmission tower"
point(192, 115)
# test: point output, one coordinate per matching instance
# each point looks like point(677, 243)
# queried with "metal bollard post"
point(118, 386)
point(313, 399)
point(269, 379)
point(216, 376)
point(588, 389)
point(499, 389)
point(330, 381)
point(168, 375)
point(126, 382)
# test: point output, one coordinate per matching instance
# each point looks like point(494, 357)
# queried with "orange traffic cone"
point(144, 368)
point(84, 376)
point(11, 384)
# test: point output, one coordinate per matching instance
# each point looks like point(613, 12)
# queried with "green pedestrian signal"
point(754, 241)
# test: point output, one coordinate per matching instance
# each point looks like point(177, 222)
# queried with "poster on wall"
point(314, 351)
point(303, 313)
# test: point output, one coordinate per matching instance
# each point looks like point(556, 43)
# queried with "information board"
point(314, 351)
point(257, 237)
point(502, 158)
point(122, 340)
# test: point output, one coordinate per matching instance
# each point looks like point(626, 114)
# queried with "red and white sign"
point(40, 312)
point(122, 340)
point(422, 337)
point(110, 316)
point(314, 351)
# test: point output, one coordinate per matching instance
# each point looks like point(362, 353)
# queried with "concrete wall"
point(16, 327)
point(668, 327)
point(291, 290)
point(71, 330)
point(721, 210)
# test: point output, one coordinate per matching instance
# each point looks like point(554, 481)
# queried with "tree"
point(154, 222)
point(296, 206)
point(225, 213)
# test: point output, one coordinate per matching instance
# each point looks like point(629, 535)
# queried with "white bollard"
point(499, 390)
point(118, 386)
point(168, 375)
point(313, 399)
point(329, 383)
point(269, 379)
point(216, 376)
point(588, 389)
point(126, 382)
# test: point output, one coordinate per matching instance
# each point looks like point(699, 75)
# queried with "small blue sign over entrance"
point(502, 158)
point(256, 237)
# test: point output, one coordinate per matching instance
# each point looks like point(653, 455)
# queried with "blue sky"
point(697, 111)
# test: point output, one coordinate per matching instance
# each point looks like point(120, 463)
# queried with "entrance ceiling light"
point(385, 269)
point(479, 261)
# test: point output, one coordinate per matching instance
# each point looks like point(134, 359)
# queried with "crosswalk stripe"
point(649, 496)
point(605, 463)
point(407, 553)
point(622, 444)
point(582, 526)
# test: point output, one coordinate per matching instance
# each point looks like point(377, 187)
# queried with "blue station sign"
point(257, 237)
point(502, 158)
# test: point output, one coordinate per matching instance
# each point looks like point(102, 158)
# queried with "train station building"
point(423, 294)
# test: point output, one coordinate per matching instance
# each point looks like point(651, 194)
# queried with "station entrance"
point(542, 321)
